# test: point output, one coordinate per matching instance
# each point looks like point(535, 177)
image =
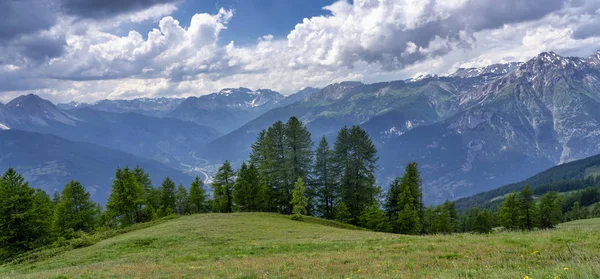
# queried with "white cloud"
point(370, 40)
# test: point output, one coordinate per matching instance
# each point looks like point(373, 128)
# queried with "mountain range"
point(470, 131)
point(49, 162)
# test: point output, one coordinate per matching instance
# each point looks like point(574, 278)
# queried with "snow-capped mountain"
point(227, 109)
point(494, 69)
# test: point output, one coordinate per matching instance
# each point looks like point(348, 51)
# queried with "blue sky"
point(85, 50)
point(255, 18)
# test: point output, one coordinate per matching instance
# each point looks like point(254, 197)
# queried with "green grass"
point(261, 245)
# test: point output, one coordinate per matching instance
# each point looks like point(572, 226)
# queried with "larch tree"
point(550, 210)
point(374, 218)
point(356, 162)
point(75, 210)
point(168, 198)
point(299, 200)
point(323, 181)
point(126, 200)
point(223, 188)
point(197, 200)
point(410, 203)
point(181, 200)
point(391, 206)
point(528, 209)
point(509, 214)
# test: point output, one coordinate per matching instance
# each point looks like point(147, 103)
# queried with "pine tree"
point(392, 207)
point(197, 200)
point(299, 200)
point(324, 181)
point(528, 209)
point(75, 210)
point(483, 223)
point(181, 200)
point(355, 163)
point(126, 201)
point(223, 188)
point(509, 214)
point(550, 210)
point(373, 218)
point(168, 198)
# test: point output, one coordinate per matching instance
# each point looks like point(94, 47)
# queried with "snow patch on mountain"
point(4, 127)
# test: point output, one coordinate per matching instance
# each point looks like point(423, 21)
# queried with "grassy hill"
point(261, 245)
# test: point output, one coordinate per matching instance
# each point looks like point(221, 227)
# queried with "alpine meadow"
point(300, 139)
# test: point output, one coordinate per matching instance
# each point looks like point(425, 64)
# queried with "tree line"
point(284, 174)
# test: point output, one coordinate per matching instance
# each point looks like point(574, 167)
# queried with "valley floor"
point(261, 245)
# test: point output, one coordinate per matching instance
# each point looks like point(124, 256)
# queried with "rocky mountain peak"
point(335, 91)
point(494, 69)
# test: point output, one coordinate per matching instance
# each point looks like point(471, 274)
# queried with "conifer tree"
point(249, 193)
point(55, 198)
point(484, 222)
point(408, 217)
point(342, 213)
point(242, 190)
point(450, 208)
point(472, 215)
point(528, 209)
point(550, 210)
point(410, 202)
point(151, 194)
point(576, 212)
point(355, 163)
point(392, 206)
point(324, 181)
point(279, 184)
point(126, 201)
point(181, 200)
point(298, 144)
point(596, 210)
point(441, 220)
point(428, 220)
point(223, 188)
point(374, 218)
point(197, 200)
point(24, 222)
point(168, 198)
point(509, 214)
point(299, 200)
point(75, 210)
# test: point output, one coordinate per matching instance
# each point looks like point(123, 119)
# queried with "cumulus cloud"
point(368, 40)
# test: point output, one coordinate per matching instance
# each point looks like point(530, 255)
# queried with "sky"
point(87, 50)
